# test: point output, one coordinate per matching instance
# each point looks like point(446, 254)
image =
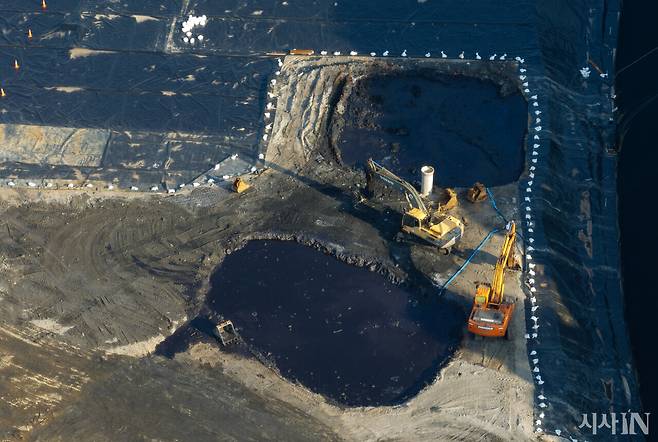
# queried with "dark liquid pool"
point(340, 330)
point(462, 126)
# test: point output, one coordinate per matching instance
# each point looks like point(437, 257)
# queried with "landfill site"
point(309, 220)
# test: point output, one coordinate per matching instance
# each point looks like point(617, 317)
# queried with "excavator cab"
point(491, 317)
point(487, 315)
point(482, 294)
point(491, 321)
point(410, 222)
point(413, 218)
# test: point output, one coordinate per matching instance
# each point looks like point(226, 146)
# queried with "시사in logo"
point(616, 423)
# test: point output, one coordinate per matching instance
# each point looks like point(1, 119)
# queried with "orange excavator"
point(491, 314)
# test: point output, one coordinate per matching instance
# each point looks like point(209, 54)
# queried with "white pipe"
point(428, 180)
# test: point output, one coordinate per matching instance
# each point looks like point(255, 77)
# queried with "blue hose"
point(463, 266)
point(500, 214)
point(493, 204)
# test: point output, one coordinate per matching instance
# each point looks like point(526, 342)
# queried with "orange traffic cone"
point(43, 4)
point(2, 92)
point(16, 65)
point(29, 34)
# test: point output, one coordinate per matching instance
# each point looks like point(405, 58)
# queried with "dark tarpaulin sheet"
point(138, 91)
point(242, 35)
point(405, 12)
point(582, 332)
point(172, 109)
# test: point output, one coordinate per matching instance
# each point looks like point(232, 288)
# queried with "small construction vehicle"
point(477, 193)
point(491, 313)
point(302, 52)
point(240, 185)
point(438, 229)
point(225, 332)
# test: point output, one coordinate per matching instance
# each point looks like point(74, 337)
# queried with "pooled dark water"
point(459, 125)
point(340, 330)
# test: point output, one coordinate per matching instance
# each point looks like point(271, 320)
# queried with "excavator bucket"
point(477, 193)
point(240, 185)
point(451, 200)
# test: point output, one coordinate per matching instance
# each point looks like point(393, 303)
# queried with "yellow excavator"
point(491, 313)
point(439, 229)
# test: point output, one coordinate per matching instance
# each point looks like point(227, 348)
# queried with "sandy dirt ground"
point(92, 282)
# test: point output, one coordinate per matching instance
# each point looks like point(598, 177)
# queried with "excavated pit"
point(342, 331)
point(466, 118)
point(468, 129)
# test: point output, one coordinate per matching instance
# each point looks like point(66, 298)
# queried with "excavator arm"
point(506, 259)
point(413, 198)
point(443, 231)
